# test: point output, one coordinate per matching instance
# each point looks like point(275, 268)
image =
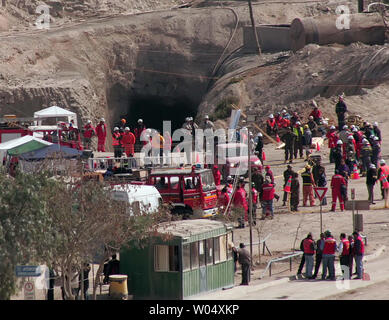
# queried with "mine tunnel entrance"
point(154, 110)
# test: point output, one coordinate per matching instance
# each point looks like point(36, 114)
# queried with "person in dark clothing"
point(113, 267)
point(289, 139)
point(322, 182)
point(371, 179)
point(313, 126)
point(319, 254)
point(344, 169)
point(259, 147)
point(86, 271)
point(302, 262)
point(298, 130)
point(316, 171)
point(245, 261)
point(338, 154)
point(376, 151)
point(287, 173)
point(50, 290)
point(341, 109)
point(294, 192)
point(257, 179)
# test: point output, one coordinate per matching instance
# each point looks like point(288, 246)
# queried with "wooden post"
point(254, 28)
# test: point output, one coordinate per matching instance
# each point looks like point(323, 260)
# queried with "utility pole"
point(250, 196)
point(254, 28)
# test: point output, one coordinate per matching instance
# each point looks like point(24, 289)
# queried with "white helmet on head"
point(260, 135)
point(376, 138)
point(115, 129)
point(140, 120)
point(376, 124)
point(126, 129)
point(355, 129)
point(372, 166)
point(339, 142)
point(382, 162)
point(102, 119)
point(350, 137)
point(310, 118)
point(345, 127)
point(271, 116)
point(187, 119)
point(88, 121)
point(332, 128)
point(206, 117)
point(284, 111)
point(298, 122)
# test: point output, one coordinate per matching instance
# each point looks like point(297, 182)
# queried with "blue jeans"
point(267, 204)
point(308, 265)
point(359, 265)
point(328, 261)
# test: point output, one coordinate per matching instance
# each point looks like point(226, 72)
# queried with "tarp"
point(50, 151)
point(24, 144)
point(53, 112)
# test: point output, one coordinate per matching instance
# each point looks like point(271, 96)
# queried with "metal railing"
point(268, 267)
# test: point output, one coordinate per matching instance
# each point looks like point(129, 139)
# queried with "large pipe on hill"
point(366, 28)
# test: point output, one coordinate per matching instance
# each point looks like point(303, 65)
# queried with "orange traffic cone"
point(355, 174)
point(263, 155)
point(288, 184)
point(317, 146)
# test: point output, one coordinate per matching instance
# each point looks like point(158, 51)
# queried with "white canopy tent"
point(55, 112)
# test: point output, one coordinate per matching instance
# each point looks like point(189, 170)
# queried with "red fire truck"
point(191, 191)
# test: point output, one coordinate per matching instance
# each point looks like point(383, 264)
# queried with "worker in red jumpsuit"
point(128, 141)
point(332, 141)
point(337, 182)
point(269, 174)
point(267, 196)
point(240, 202)
point(271, 125)
point(223, 199)
point(101, 132)
point(89, 132)
point(216, 175)
point(254, 195)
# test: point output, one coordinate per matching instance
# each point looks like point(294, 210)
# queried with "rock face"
point(103, 69)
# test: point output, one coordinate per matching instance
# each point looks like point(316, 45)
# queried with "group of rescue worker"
point(350, 249)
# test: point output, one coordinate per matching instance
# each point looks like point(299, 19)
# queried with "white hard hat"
point(376, 124)
point(310, 118)
point(350, 137)
point(206, 117)
point(260, 134)
point(332, 128)
point(372, 166)
point(376, 138)
point(140, 120)
point(190, 118)
point(126, 129)
point(116, 128)
point(271, 116)
point(364, 141)
point(339, 142)
point(372, 136)
point(298, 122)
point(345, 127)
point(382, 161)
point(187, 119)
point(284, 111)
point(89, 121)
point(102, 119)
point(355, 129)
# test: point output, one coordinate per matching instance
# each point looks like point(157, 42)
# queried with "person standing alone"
point(245, 261)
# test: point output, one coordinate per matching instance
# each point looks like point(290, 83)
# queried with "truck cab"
point(191, 191)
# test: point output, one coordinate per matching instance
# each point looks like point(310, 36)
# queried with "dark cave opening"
point(154, 110)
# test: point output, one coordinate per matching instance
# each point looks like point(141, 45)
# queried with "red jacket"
point(128, 138)
point(240, 199)
point(89, 131)
point(336, 182)
point(101, 131)
point(254, 195)
point(329, 246)
point(359, 247)
point(138, 131)
point(268, 191)
point(271, 122)
point(308, 246)
point(346, 247)
point(116, 137)
point(332, 139)
point(316, 114)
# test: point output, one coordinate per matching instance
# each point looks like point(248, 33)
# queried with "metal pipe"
point(368, 28)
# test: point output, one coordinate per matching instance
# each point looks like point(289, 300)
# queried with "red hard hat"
point(267, 167)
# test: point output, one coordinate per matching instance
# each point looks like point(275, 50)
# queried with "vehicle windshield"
point(207, 180)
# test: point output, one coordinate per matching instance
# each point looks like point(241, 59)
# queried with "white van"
point(140, 197)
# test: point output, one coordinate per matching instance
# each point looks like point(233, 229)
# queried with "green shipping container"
point(187, 258)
